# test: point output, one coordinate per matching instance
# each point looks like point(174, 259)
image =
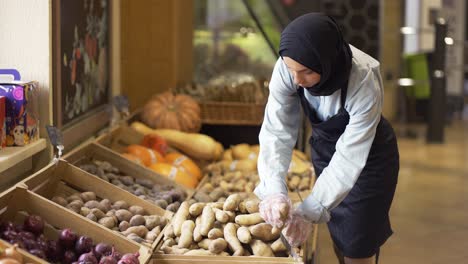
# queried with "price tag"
point(56, 138)
point(122, 105)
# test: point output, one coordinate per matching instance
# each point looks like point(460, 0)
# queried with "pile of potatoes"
point(230, 228)
point(131, 221)
point(167, 197)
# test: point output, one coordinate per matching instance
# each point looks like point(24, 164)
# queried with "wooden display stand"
point(19, 199)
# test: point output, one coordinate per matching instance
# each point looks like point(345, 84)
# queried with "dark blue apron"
point(360, 224)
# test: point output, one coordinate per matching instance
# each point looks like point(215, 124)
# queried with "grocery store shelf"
point(11, 156)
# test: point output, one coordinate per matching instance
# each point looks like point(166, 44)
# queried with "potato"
point(111, 212)
point(264, 232)
point(232, 202)
point(207, 220)
point(98, 213)
point(242, 207)
point(232, 216)
point(205, 243)
point(259, 248)
point(137, 210)
point(231, 238)
point(161, 203)
point(196, 209)
point(173, 207)
point(294, 182)
point(215, 233)
point(145, 182)
point(140, 231)
point(197, 237)
point(243, 234)
point(91, 217)
point(249, 219)
point(135, 238)
point(217, 205)
point(153, 234)
point(217, 246)
point(137, 220)
point(174, 250)
point(106, 204)
point(124, 225)
point(216, 194)
point(151, 221)
point(127, 180)
point(168, 243)
point(108, 222)
point(169, 231)
point(181, 215)
point(221, 215)
point(252, 206)
point(202, 197)
point(123, 215)
point(74, 197)
point(60, 200)
point(88, 196)
point(278, 246)
point(92, 204)
point(120, 205)
point(186, 236)
point(84, 211)
point(75, 206)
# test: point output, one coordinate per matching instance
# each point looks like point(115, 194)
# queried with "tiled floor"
point(430, 210)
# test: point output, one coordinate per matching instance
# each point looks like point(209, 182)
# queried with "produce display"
point(230, 228)
point(167, 197)
point(131, 221)
point(69, 247)
point(237, 173)
point(197, 146)
point(167, 110)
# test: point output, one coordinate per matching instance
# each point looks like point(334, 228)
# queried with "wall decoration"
point(81, 64)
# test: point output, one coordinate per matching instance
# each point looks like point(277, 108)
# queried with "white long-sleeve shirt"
point(279, 132)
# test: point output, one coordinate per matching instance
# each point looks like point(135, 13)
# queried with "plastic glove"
point(297, 230)
point(276, 209)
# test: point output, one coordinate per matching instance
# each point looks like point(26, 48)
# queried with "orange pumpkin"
point(175, 174)
point(185, 162)
point(146, 155)
point(166, 110)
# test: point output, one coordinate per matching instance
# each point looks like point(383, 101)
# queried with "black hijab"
point(315, 41)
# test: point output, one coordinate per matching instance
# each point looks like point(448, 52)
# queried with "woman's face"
point(302, 75)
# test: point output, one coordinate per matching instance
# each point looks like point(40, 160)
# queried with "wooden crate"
point(232, 113)
point(310, 247)
point(96, 151)
point(65, 179)
point(20, 199)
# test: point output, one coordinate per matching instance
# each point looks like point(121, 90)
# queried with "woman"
point(354, 149)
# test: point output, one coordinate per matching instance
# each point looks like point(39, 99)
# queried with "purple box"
point(22, 122)
point(2, 122)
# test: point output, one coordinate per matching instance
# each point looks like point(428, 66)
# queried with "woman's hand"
point(297, 229)
point(276, 209)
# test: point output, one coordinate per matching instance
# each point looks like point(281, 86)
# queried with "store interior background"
point(157, 45)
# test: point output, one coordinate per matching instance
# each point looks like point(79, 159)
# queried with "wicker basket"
point(232, 113)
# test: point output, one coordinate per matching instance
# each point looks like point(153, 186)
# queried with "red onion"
point(34, 224)
point(107, 260)
point(27, 235)
point(69, 257)
point(54, 251)
point(67, 238)
point(7, 226)
point(88, 258)
point(38, 253)
point(9, 235)
point(130, 258)
point(102, 249)
point(84, 244)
